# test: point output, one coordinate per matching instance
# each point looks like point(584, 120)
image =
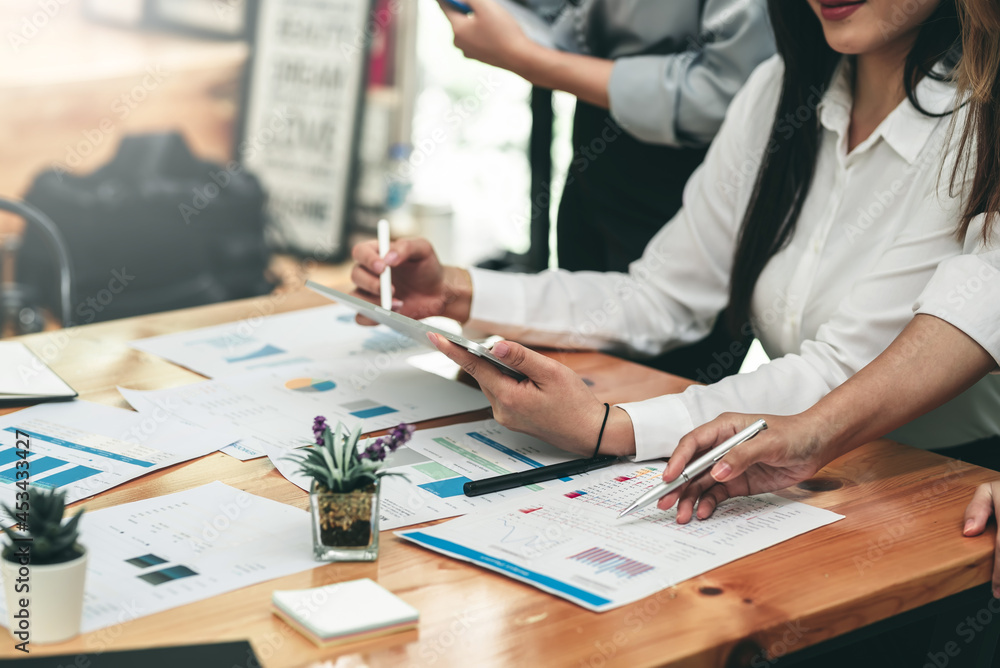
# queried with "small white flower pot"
point(54, 598)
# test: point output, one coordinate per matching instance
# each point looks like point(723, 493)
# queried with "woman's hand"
point(490, 35)
point(789, 451)
point(421, 286)
point(984, 504)
point(553, 404)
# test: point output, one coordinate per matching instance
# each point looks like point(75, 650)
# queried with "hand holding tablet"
point(411, 328)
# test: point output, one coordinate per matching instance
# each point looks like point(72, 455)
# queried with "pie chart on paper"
point(310, 385)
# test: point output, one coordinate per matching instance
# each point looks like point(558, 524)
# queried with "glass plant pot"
point(345, 526)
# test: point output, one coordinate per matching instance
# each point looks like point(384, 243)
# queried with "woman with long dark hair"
point(952, 342)
point(818, 217)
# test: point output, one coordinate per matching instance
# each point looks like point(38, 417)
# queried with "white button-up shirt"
point(876, 223)
point(965, 290)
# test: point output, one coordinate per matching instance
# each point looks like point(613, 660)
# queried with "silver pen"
point(695, 468)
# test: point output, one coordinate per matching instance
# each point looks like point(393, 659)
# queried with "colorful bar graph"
point(446, 488)
point(373, 412)
point(9, 456)
point(67, 477)
point(485, 440)
point(605, 561)
point(83, 448)
point(37, 466)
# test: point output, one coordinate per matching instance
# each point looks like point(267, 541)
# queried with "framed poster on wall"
point(302, 112)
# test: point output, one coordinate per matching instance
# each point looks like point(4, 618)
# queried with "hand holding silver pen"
point(695, 468)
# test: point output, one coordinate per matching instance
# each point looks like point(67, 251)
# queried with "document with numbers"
point(569, 542)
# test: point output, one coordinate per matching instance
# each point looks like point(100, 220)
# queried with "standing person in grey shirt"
point(653, 80)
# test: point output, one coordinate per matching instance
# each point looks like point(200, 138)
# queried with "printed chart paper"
point(570, 544)
point(83, 448)
point(161, 553)
point(316, 334)
point(438, 462)
point(273, 409)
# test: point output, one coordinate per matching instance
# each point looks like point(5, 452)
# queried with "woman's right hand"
point(789, 451)
point(421, 285)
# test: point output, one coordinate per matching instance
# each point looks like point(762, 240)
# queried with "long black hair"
point(786, 170)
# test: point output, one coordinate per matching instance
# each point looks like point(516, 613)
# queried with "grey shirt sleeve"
point(681, 99)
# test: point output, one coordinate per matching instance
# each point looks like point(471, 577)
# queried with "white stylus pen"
point(695, 468)
point(385, 279)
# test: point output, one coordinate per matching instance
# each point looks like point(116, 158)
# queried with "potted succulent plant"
point(345, 488)
point(43, 569)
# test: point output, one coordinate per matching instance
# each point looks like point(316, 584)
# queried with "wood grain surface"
point(899, 547)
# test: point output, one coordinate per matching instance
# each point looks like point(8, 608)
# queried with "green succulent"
point(40, 519)
point(335, 463)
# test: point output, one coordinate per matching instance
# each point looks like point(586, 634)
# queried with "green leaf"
point(336, 446)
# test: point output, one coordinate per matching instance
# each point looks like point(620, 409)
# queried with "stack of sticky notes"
point(344, 612)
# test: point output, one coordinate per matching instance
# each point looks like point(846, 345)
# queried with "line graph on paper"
point(527, 536)
point(605, 561)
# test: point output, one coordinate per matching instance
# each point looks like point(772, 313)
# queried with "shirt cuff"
point(497, 298)
point(658, 424)
point(648, 118)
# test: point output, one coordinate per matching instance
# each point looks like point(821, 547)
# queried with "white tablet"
point(414, 329)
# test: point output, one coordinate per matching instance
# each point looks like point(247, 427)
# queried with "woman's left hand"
point(489, 34)
point(984, 504)
point(552, 404)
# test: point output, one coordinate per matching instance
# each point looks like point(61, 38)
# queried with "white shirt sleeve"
point(674, 292)
point(965, 290)
point(871, 315)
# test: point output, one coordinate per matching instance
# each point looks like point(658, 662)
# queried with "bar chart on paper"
point(68, 447)
point(155, 554)
point(433, 487)
point(571, 544)
point(271, 409)
point(271, 341)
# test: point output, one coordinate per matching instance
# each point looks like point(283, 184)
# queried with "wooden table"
point(900, 547)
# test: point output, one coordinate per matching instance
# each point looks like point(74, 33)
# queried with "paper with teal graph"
point(569, 543)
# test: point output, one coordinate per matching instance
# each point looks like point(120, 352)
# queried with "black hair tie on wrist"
point(607, 409)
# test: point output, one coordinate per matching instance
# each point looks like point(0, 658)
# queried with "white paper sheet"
point(161, 553)
point(24, 374)
point(570, 544)
point(85, 448)
point(273, 409)
point(438, 462)
point(316, 334)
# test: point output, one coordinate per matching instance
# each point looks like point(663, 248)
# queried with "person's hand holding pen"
point(421, 285)
point(788, 452)
point(554, 404)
